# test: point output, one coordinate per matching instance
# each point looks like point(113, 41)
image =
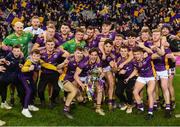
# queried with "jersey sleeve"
point(48, 66)
point(26, 66)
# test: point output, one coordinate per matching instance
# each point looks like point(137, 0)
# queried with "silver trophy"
point(93, 77)
point(95, 74)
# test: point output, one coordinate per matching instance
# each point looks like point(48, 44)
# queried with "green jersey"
point(71, 45)
point(23, 40)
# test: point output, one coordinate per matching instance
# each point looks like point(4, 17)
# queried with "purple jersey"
point(60, 38)
point(148, 44)
point(84, 65)
point(87, 67)
point(144, 67)
point(71, 68)
point(111, 36)
point(92, 44)
point(129, 67)
point(55, 58)
point(95, 65)
point(109, 58)
point(131, 47)
point(116, 52)
point(41, 42)
point(160, 63)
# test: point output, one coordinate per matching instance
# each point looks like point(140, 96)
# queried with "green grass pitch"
point(85, 116)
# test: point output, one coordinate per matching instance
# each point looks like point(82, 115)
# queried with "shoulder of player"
point(58, 51)
point(112, 32)
point(58, 36)
point(41, 30)
point(83, 42)
point(28, 29)
point(9, 56)
point(11, 36)
point(27, 33)
point(71, 41)
point(99, 36)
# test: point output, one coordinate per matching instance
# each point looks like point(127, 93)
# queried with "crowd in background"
point(125, 14)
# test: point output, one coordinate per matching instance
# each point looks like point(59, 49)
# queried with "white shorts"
point(145, 80)
point(172, 71)
point(84, 79)
point(60, 84)
point(106, 69)
point(162, 74)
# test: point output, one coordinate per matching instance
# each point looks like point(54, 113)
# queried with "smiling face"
point(93, 56)
point(131, 41)
point(118, 41)
point(35, 57)
point(65, 29)
point(124, 52)
point(138, 55)
point(50, 32)
point(50, 46)
point(165, 31)
point(18, 27)
point(145, 36)
point(79, 36)
point(78, 54)
point(90, 33)
point(156, 36)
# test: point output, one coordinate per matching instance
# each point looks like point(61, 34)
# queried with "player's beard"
point(19, 32)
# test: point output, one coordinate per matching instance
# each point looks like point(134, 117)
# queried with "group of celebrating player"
point(90, 64)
